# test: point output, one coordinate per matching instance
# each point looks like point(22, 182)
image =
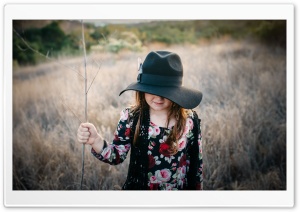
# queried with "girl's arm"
point(116, 152)
point(195, 175)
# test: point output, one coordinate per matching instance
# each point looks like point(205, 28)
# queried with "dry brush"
point(243, 114)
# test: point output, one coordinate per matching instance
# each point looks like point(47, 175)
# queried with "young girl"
point(161, 130)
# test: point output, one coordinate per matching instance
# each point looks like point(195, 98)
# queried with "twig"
point(71, 111)
point(94, 78)
point(85, 99)
point(77, 72)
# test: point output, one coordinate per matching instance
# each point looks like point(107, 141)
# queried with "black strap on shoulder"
point(137, 172)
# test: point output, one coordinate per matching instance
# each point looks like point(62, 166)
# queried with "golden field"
point(243, 115)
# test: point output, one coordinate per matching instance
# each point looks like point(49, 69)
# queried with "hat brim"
point(185, 97)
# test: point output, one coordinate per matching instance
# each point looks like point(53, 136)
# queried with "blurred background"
point(239, 65)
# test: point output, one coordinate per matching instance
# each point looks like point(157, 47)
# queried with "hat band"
point(151, 79)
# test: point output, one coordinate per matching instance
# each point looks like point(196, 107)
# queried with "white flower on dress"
point(121, 149)
point(124, 115)
point(169, 159)
point(153, 131)
point(169, 186)
point(157, 162)
point(153, 179)
point(150, 131)
point(181, 172)
point(163, 139)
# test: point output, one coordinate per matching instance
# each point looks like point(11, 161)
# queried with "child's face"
point(157, 103)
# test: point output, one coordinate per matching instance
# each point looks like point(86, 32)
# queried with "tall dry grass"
point(243, 114)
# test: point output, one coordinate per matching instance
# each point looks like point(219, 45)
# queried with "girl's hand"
point(87, 134)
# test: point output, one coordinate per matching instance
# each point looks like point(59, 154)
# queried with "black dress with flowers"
point(165, 172)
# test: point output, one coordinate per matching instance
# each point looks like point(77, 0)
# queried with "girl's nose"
point(159, 97)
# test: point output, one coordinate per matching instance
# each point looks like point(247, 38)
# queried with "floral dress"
point(165, 172)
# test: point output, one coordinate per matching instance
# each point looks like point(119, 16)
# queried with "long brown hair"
point(177, 111)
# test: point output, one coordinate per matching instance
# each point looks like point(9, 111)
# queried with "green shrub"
point(271, 32)
point(49, 39)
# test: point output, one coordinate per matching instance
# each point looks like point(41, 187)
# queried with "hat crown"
point(163, 63)
point(161, 74)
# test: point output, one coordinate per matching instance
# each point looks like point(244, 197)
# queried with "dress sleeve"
point(116, 152)
point(195, 177)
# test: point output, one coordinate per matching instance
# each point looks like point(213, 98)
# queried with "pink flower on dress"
point(169, 187)
point(186, 130)
point(157, 130)
point(127, 147)
point(182, 171)
point(153, 179)
point(190, 123)
point(163, 175)
point(153, 183)
point(182, 144)
point(153, 130)
point(124, 115)
point(106, 153)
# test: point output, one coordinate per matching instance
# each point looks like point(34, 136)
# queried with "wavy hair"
point(177, 111)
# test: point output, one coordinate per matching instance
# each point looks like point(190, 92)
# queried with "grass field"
point(243, 115)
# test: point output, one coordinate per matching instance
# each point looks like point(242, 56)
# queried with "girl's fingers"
point(83, 129)
point(84, 132)
point(83, 135)
point(86, 125)
point(82, 140)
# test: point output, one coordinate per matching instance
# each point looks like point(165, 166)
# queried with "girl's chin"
point(158, 107)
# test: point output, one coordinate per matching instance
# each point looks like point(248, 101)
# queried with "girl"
point(161, 130)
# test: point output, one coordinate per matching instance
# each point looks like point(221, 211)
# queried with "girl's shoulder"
point(192, 114)
point(127, 113)
point(194, 120)
point(128, 110)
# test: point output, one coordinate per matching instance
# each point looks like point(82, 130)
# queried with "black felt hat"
point(161, 74)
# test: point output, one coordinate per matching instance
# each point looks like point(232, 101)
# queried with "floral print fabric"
point(165, 171)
